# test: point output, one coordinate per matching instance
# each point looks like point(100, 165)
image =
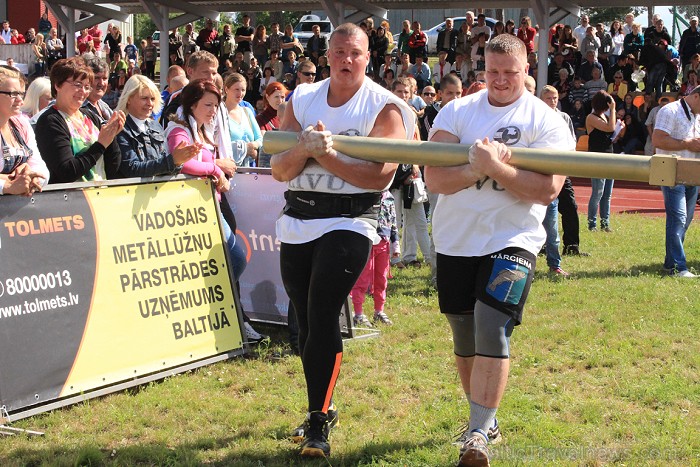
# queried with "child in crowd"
point(377, 268)
point(578, 118)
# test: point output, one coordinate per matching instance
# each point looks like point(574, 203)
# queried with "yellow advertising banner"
point(103, 287)
point(162, 292)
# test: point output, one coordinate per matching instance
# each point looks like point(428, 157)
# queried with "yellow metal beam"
point(655, 170)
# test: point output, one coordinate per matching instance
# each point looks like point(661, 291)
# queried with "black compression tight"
point(318, 277)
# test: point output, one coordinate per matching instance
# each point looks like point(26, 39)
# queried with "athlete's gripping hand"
point(317, 141)
point(484, 155)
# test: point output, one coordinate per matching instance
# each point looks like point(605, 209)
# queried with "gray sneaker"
point(361, 321)
point(382, 318)
point(494, 434)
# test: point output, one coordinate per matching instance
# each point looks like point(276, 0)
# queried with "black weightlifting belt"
point(317, 205)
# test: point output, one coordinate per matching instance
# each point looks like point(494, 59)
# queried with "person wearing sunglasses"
point(618, 88)
point(76, 145)
point(431, 109)
point(306, 74)
point(526, 33)
point(22, 171)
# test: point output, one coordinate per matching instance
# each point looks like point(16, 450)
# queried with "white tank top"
point(354, 118)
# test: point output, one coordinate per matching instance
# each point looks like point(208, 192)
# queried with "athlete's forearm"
point(288, 164)
point(450, 180)
point(527, 186)
point(362, 174)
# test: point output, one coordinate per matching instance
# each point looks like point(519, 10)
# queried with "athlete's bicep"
point(289, 121)
point(389, 123)
point(442, 136)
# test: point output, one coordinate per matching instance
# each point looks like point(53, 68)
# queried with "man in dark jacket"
point(690, 44)
point(177, 57)
point(557, 64)
point(447, 40)
point(653, 34)
point(653, 58)
point(317, 45)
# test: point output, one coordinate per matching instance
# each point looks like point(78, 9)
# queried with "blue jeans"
point(238, 261)
point(679, 202)
point(601, 192)
point(655, 78)
point(551, 226)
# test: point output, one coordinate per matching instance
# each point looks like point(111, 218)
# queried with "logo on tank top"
point(350, 132)
point(509, 135)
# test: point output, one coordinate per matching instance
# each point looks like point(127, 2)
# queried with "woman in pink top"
point(200, 102)
point(194, 123)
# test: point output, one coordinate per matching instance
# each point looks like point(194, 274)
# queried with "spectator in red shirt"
point(84, 42)
point(96, 33)
point(17, 38)
point(526, 33)
point(416, 43)
point(207, 38)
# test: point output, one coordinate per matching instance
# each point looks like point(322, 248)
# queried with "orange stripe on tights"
point(334, 378)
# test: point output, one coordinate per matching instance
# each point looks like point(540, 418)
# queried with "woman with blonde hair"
point(142, 141)
point(243, 128)
point(113, 41)
point(22, 171)
point(38, 97)
point(39, 49)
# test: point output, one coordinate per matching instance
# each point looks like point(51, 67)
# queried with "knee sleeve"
point(493, 331)
point(462, 334)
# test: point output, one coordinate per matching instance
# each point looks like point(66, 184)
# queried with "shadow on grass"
point(195, 453)
point(649, 270)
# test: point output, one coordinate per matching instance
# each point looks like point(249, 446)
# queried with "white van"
point(303, 32)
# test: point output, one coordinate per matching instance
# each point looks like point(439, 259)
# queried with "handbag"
point(420, 192)
point(298, 49)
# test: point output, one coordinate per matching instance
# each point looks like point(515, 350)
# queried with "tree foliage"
point(689, 10)
point(606, 15)
point(283, 18)
point(144, 25)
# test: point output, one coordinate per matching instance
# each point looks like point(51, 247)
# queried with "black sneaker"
point(573, 250)
point(300, 431)
point(315, 442)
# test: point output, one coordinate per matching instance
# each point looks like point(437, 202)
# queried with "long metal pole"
point(655, 170)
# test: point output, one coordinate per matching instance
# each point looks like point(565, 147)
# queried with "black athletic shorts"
point(501, 280)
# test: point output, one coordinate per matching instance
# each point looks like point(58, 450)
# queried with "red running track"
point(629, 197)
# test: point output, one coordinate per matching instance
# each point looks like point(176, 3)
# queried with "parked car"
point(303, 32)
point(156, 40)
point(433, 32)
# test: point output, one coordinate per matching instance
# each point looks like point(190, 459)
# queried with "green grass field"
point(605, 371)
